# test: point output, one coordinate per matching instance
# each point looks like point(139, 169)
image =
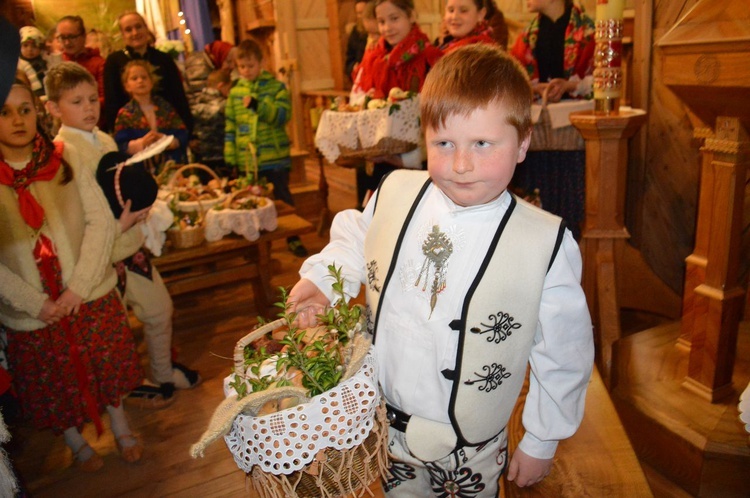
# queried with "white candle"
point(609, 9)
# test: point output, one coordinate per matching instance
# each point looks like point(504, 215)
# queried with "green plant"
point(319, 361)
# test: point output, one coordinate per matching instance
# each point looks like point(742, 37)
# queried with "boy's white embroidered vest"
point(499, 317)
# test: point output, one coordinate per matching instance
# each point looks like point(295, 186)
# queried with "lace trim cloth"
point(288, 440)
point(245, 222)
point(364, 129)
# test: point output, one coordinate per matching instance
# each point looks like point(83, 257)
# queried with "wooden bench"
point(227, 260)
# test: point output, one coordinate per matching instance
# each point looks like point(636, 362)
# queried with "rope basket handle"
point(182, 169)
point(238, 193)
point(193, 198)
point(239, 348)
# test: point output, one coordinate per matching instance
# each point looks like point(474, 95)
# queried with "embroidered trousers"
point(470, 472)
point(152, 305)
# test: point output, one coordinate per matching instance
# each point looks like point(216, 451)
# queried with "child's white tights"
point(120, 427)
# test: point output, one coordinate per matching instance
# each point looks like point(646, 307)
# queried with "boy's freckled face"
point(472, 158)
point(248, 67)
point(78, 107)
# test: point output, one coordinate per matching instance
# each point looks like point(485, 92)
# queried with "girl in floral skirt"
point(70, 349)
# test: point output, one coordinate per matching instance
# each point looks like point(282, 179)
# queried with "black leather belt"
point(396, 418)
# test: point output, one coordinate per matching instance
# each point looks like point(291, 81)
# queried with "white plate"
point(155, 148)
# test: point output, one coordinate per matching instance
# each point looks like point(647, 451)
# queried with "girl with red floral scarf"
point(401, 59)
point(70, 349)
point(465, 24)
point(403, 54)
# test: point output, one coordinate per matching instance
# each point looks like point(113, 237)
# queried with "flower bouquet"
point(302, 414)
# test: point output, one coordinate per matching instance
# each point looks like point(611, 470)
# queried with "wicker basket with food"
point(378, 127)
point(243, 212)
point(303, 415)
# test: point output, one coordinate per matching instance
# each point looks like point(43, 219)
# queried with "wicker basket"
point(337, 456)
point(241, 195)
point(189, 237)
point(191, 205)
point(385, 147)
point(544, 137)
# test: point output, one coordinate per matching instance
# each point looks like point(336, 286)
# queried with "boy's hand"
point(70, 302)
point(525, 470)
point(51, 312)
point(307, 301)
point(129, 218)
point(250, 103)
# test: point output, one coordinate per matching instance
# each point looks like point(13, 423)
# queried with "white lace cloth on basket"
point(286, 441)
point(364, 129)
point(245, 222)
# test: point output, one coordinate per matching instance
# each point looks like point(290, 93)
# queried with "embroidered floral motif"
point(501, 329)
point(372, 276)
point(462, 483)
point(399, 472)
point(494, 378)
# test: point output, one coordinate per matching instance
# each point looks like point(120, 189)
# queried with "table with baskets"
point(218, 250)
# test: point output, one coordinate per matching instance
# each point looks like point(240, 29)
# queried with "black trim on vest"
point(460, 440)
point(396, 249)
point(456, 325)
point(558, 243)
point(449, 374)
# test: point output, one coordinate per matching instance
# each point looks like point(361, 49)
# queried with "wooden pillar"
point(604, 231)
point(719, 300)
point(695, 263)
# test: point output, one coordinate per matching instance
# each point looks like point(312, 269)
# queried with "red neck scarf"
point(482, 33)
point(405, 65)
point(45, 161)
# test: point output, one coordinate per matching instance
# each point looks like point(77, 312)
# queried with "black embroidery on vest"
point(372, 276)
point(400, 472)
point(461, 483)
point(501, 329)
point(495, 375)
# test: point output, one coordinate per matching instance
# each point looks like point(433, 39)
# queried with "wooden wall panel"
point(670, 184)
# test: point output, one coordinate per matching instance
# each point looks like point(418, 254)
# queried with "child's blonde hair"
point(65, 76)
point(139, 63)
point(473, 77)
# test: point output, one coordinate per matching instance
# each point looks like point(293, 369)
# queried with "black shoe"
point(154, 397)
point(297, 248)
point(184, 377)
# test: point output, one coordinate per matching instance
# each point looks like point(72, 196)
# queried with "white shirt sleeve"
point(561, 359)
point(345, 250)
